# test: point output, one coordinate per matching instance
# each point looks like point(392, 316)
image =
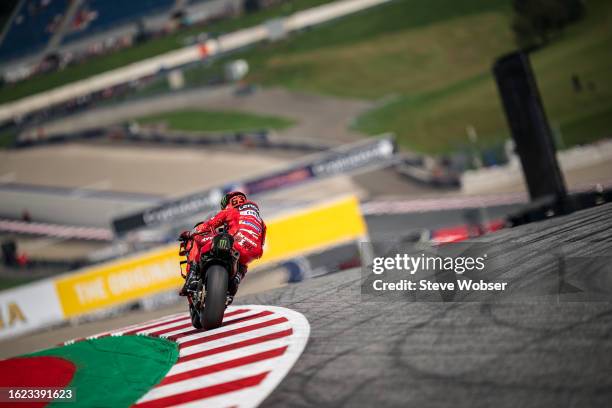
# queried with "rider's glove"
point(185, 236)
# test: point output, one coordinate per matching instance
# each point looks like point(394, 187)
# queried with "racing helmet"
point(233, 198)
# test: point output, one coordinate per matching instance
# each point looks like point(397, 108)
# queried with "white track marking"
point(220, 401)
point(203, 335)
point(266, 353)
point(175, 332)
point(190, 328)
point(208, 380)
point(121, 331)
point(196, 348)
point(152, 322)
point(222, 357)
point(186, 320)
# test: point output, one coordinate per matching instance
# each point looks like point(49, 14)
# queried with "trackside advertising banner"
point(129, 279)
point(345, 159)
point(308, 231)
point(119, 282)
point(30, 306)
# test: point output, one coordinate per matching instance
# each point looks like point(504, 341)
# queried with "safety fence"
point(256, 138)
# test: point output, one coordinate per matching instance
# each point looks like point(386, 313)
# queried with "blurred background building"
point(122, 123)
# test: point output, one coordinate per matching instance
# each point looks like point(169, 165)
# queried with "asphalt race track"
point(541, 344)
point(546, 350)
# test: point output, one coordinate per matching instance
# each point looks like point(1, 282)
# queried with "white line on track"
point(197, 348)
point(208, 380)
point(220, 401)
point(240, 316)
point(203, 336)
point(221, 357)
point(236, 365)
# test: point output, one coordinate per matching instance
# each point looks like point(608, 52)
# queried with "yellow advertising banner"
point(157, 271)
point(119, 282)
point(315, 228)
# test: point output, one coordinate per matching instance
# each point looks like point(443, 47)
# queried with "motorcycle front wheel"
point(211, 315)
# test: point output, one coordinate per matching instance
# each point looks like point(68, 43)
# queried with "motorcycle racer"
point(240, 218)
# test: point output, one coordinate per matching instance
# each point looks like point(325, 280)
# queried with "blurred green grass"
point(406, 55)
point(436, 121)
point(428, 64)
point(585, 50)
point(216, 121)
point(427, 67)
point(148, 49)
point(6, 283)
point(7, 138)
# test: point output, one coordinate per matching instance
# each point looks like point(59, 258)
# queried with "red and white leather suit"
point(243, 222)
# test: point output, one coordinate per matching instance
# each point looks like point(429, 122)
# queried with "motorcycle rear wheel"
point(211, 316)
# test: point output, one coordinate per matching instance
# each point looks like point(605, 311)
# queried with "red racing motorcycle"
point(207, 289)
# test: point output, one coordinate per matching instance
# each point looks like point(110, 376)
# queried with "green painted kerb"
point(115, 371)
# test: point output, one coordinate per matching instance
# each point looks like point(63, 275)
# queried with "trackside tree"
point(536, 22)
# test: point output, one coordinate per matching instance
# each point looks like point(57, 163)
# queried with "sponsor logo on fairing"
point(251, 224)
point(241, 237)
point(223, 244)
point(248, 206)
point(252, 233)
point(251, 213)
